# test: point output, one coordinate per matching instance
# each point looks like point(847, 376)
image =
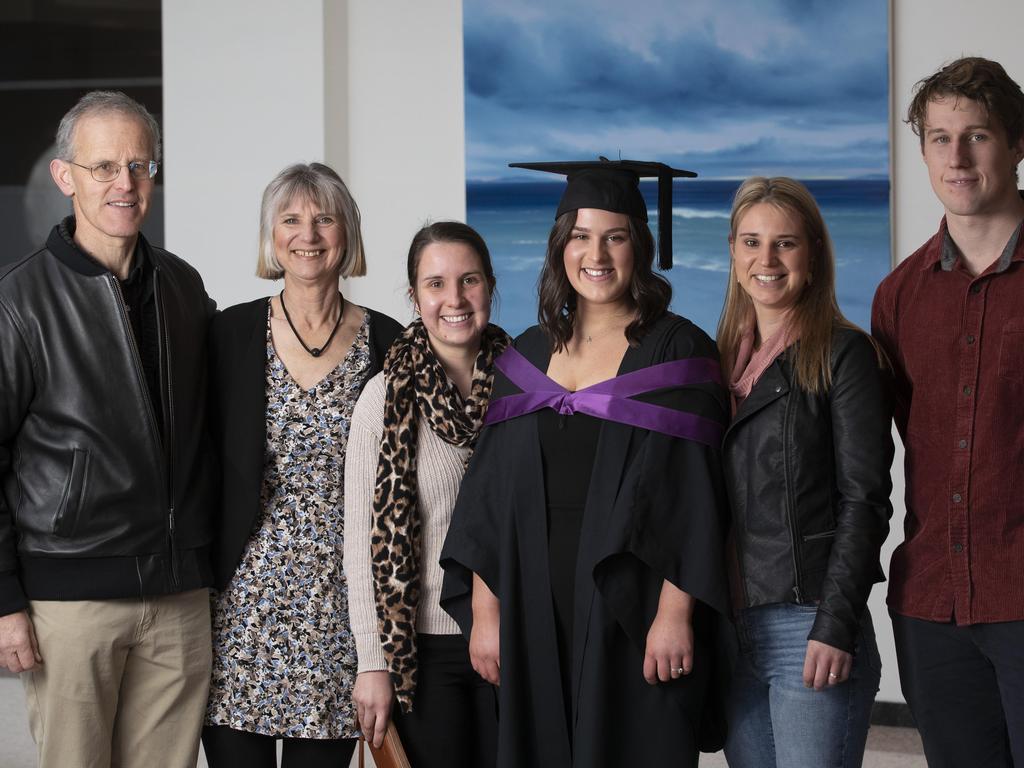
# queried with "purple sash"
point(611, 399)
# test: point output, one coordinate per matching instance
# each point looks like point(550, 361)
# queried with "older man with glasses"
point(106, 486)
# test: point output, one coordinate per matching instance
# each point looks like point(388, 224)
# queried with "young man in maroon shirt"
point(951, 318)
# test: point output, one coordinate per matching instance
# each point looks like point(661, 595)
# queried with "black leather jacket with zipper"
point(808, 482)
point(96, 502)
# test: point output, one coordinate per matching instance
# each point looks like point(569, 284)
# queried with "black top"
point(567, 445)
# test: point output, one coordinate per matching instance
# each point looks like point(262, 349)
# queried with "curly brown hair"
point(977, 79)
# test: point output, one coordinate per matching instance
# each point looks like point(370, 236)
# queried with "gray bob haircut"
point(323, 187)
point(101, 103)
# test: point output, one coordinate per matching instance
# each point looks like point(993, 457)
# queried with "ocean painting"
point(729, 90)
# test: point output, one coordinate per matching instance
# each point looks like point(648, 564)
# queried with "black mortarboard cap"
point(614, 185)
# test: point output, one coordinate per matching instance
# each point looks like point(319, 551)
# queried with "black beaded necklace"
point(314, 351)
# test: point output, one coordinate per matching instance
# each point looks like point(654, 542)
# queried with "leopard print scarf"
point(416, 386)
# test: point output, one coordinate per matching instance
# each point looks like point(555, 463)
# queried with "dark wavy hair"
point(977, 79)
point(449, 232)
point(556, 311)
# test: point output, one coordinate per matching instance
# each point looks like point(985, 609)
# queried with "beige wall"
point(372, 88)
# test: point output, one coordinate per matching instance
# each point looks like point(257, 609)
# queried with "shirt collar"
point(945, 253)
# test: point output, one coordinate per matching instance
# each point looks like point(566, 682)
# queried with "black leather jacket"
point(808, 481)
point(95, 502)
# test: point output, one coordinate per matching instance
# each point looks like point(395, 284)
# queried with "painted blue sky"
point(727, 88)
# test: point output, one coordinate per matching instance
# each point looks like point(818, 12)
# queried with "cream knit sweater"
point(438, 475)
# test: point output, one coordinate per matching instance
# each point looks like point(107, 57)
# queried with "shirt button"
point(963, 443)
point(976, 288)
point(957, 498)
point(778, 389)
point(967, 390)
point(970, 338)
point(958, 547)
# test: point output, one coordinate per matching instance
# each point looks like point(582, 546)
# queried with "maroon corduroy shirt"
point(957, 346)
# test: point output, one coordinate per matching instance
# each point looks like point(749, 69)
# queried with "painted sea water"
point(515, 218)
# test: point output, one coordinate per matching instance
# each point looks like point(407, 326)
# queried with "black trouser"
point(965, 687)
point(227, 748)
point(454, 718)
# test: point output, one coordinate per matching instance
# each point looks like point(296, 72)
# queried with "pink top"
point(751, 364)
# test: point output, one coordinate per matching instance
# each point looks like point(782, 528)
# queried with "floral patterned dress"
point(284, 659)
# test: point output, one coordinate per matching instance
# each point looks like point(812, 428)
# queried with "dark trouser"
point(454, 718)
point(227, 748)
point(965, 687)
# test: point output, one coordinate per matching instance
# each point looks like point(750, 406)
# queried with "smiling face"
point(599, 257)
point(970, 163)
point(452, 296)
point(309, 243)
point(108, 214)
point(771, 258)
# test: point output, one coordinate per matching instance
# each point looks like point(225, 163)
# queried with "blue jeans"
point(773, 719)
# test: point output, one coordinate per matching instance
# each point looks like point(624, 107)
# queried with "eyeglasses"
point(108, 171)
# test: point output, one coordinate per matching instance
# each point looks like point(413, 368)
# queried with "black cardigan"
point(238, 406)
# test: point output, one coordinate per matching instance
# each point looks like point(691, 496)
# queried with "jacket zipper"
point(169, 441)
point(141, 376)
point(737, 547)
point(790, 512)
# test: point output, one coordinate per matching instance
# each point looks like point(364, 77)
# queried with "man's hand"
point(19, 651)
point(373, 695)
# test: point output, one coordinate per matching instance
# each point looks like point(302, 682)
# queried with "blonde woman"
point(807, 460)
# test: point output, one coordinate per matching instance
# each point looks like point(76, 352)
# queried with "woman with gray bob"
point(285, 375)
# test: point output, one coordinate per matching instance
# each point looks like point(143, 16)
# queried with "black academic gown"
point(653, 512)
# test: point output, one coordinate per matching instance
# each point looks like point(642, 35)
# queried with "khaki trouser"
point(123, 682)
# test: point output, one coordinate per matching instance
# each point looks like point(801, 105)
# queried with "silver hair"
point(104, 102)
point(323, 187)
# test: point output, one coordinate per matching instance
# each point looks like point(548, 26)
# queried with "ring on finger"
point(833, 676)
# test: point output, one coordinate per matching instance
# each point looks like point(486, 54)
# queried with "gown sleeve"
point(671, 518)
point(482, 518)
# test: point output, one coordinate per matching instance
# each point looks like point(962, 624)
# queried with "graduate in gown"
point(585, 555)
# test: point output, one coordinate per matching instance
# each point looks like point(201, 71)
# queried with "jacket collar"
point(61, 244)
point(773, 384)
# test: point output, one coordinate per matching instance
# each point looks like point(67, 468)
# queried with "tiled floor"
point(887, 747)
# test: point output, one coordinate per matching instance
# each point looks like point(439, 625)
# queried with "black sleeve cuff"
point(12, 596)
point(829, 630)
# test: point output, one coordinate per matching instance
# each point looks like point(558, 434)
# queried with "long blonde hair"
point(816, 312)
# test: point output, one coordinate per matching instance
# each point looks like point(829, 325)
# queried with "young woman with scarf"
point(413, 431)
